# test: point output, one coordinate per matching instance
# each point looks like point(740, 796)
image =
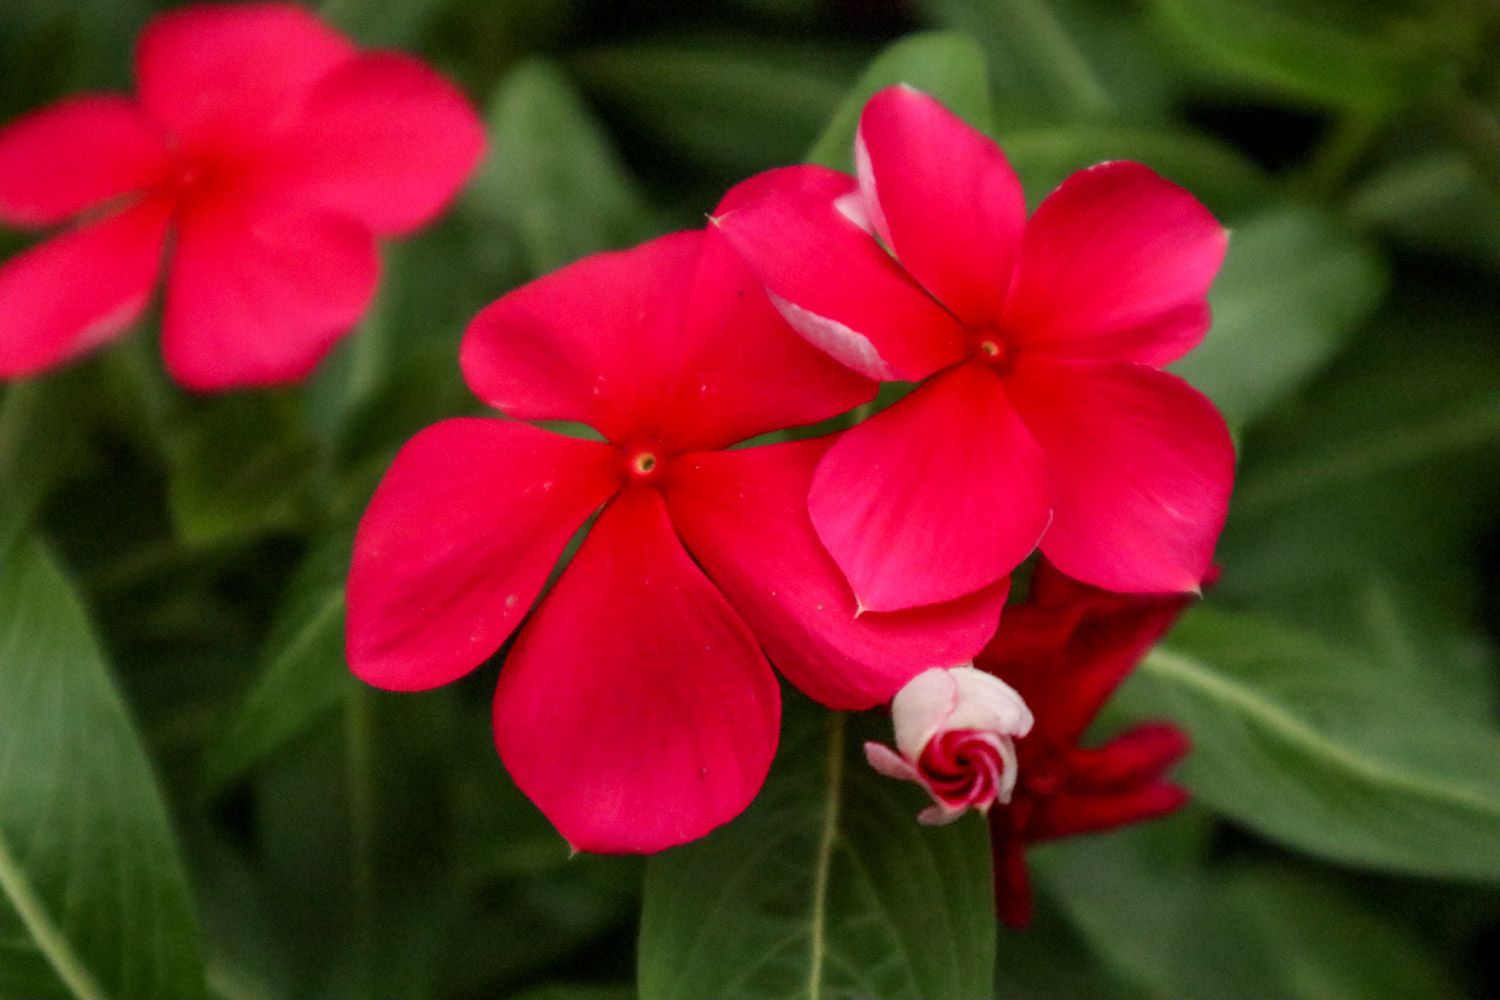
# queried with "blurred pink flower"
point(1043, 416)
point(270, 150)
point(637, 708)
point(955, 731)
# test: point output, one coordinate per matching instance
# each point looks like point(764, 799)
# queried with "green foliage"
point(949, 67)
point(1297, 738)
point(824, 888)
point(93, 902)
point(1340, 684)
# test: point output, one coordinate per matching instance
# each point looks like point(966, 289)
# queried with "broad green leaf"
point(1370, 57)
point(1360, 501)
point(1061, 60)
point(304, 675)
point(1218, 176)
point(949, 67)
point(91, 889)
point(825, 888)
point(1178, 923)
point(552, 178)
point(238, 467)
point(734, 108)
point(1300, 740)
point(1294, 286)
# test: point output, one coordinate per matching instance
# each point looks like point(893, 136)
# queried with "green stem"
point(47, 935)
point(826, 841)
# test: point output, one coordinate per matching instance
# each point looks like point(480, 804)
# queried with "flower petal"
point(636, 709)
point(458, 541)
point(65, 297)
point(945, 199)
point(1142, 466)
point(386, 140)
point(74, 155)
point(1069, 646)
point(743, 370)
point(1067, 814)
point(212, 73)
point(939, 496)
point(1139, 755)
point(1115, 265)
point(835, 284)
point(259, 292)
point(592, 342)
point(743, 516)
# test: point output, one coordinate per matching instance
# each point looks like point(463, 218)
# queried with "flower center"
point(642, 464)
point(989, 347)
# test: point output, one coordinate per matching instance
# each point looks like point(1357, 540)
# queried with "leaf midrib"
point(1168, 665)
point(44, 931)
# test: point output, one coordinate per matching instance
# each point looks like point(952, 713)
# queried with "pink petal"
point(593, 342)
point(944, 198)
point(74, 155)
point(1115, 265)
point(743, 516)
point(458, 541)
point(743, 371)
point(259, 292)
point(386, 140)
point(1142, 466)
point(636, 710)
point(836, 286)
point(889, 763)
point(213, 74)
point(939, 496)
point(65, 297)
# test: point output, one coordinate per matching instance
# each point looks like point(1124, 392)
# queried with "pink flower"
point(955, 731)
point(1065, 650)
point(636, 708)
point(1044, 417)
point(271, 150)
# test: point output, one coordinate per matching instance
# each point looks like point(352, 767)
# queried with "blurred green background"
point(336, 841)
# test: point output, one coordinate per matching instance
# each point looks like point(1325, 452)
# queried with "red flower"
point(1065, 650)
point(636, 709)
point(274, 152)
point(1044, 417)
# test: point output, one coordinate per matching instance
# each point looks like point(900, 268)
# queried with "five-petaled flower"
point(273, 151)
point(1044, 416)
point(637, 708)
point(956, 731)
point(1065, 650)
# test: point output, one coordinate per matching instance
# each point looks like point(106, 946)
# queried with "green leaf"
point(1216, 174)
point(1294, 286)
point(1437, 201)
point(89, 873)
point(1324, 750)
point(1370, 57)
point(1061, 60)
point(733, 107)
point(947, 66)
point(1177, 922)
point(552, 176)
point(304, 675)
point(825, 888)
point(238, 467)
